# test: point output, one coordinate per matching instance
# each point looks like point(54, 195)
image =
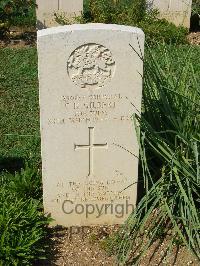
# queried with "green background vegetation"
point(196, 7)
point(22, 223)
point(125, 12)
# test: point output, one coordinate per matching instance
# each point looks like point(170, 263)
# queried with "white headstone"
point(90, 86)
point(175, 11)
point(46, 10)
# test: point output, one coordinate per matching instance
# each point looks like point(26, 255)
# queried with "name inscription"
point(90, 108)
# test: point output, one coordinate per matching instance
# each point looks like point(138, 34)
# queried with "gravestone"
point(90, 86)
point(175, 11)
point(47, 8)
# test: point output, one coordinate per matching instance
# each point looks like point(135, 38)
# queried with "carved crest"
point(91, 66)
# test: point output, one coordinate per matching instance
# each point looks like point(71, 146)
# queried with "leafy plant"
point(134, 13)
point(25, 183)
point(196, 7)
point(22, 229)
point(112, 11)
point(22, 222)
point(16, 12)
point(161, 31)
point(169, 154)
point(61, 19)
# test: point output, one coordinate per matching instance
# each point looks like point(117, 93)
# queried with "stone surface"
point(90, 86)
point(175, 11)
point(47, 8)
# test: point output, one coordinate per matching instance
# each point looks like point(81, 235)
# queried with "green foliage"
point(134, 13)
point(12, 12)
point(161, 31)
point(116, 12)
point(25, 183)
point(169, 154)
point(196, 7)
point(22, 224)
point(124, 12)
point(21, 229)
point(63, 20)
point(19, 131)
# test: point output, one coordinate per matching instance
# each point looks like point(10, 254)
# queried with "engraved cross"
point(91, 147)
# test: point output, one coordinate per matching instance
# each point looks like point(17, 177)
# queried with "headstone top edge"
point(89, 26)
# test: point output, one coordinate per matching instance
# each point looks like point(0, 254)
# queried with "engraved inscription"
point(91, 148)
point(90, 108)
point(95, 189)
point(91, 66)
point(91, 189)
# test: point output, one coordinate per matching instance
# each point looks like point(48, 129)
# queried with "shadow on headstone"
point(11, 164)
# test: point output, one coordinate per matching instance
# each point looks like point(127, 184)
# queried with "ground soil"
point(194, 38)
point(19, 38)
point(88, 247)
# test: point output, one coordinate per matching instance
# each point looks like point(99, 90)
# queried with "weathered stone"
point(90, 86)
point(175, 11)
point(46, 10)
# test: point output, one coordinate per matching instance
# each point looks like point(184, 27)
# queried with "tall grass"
point(169, 155)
